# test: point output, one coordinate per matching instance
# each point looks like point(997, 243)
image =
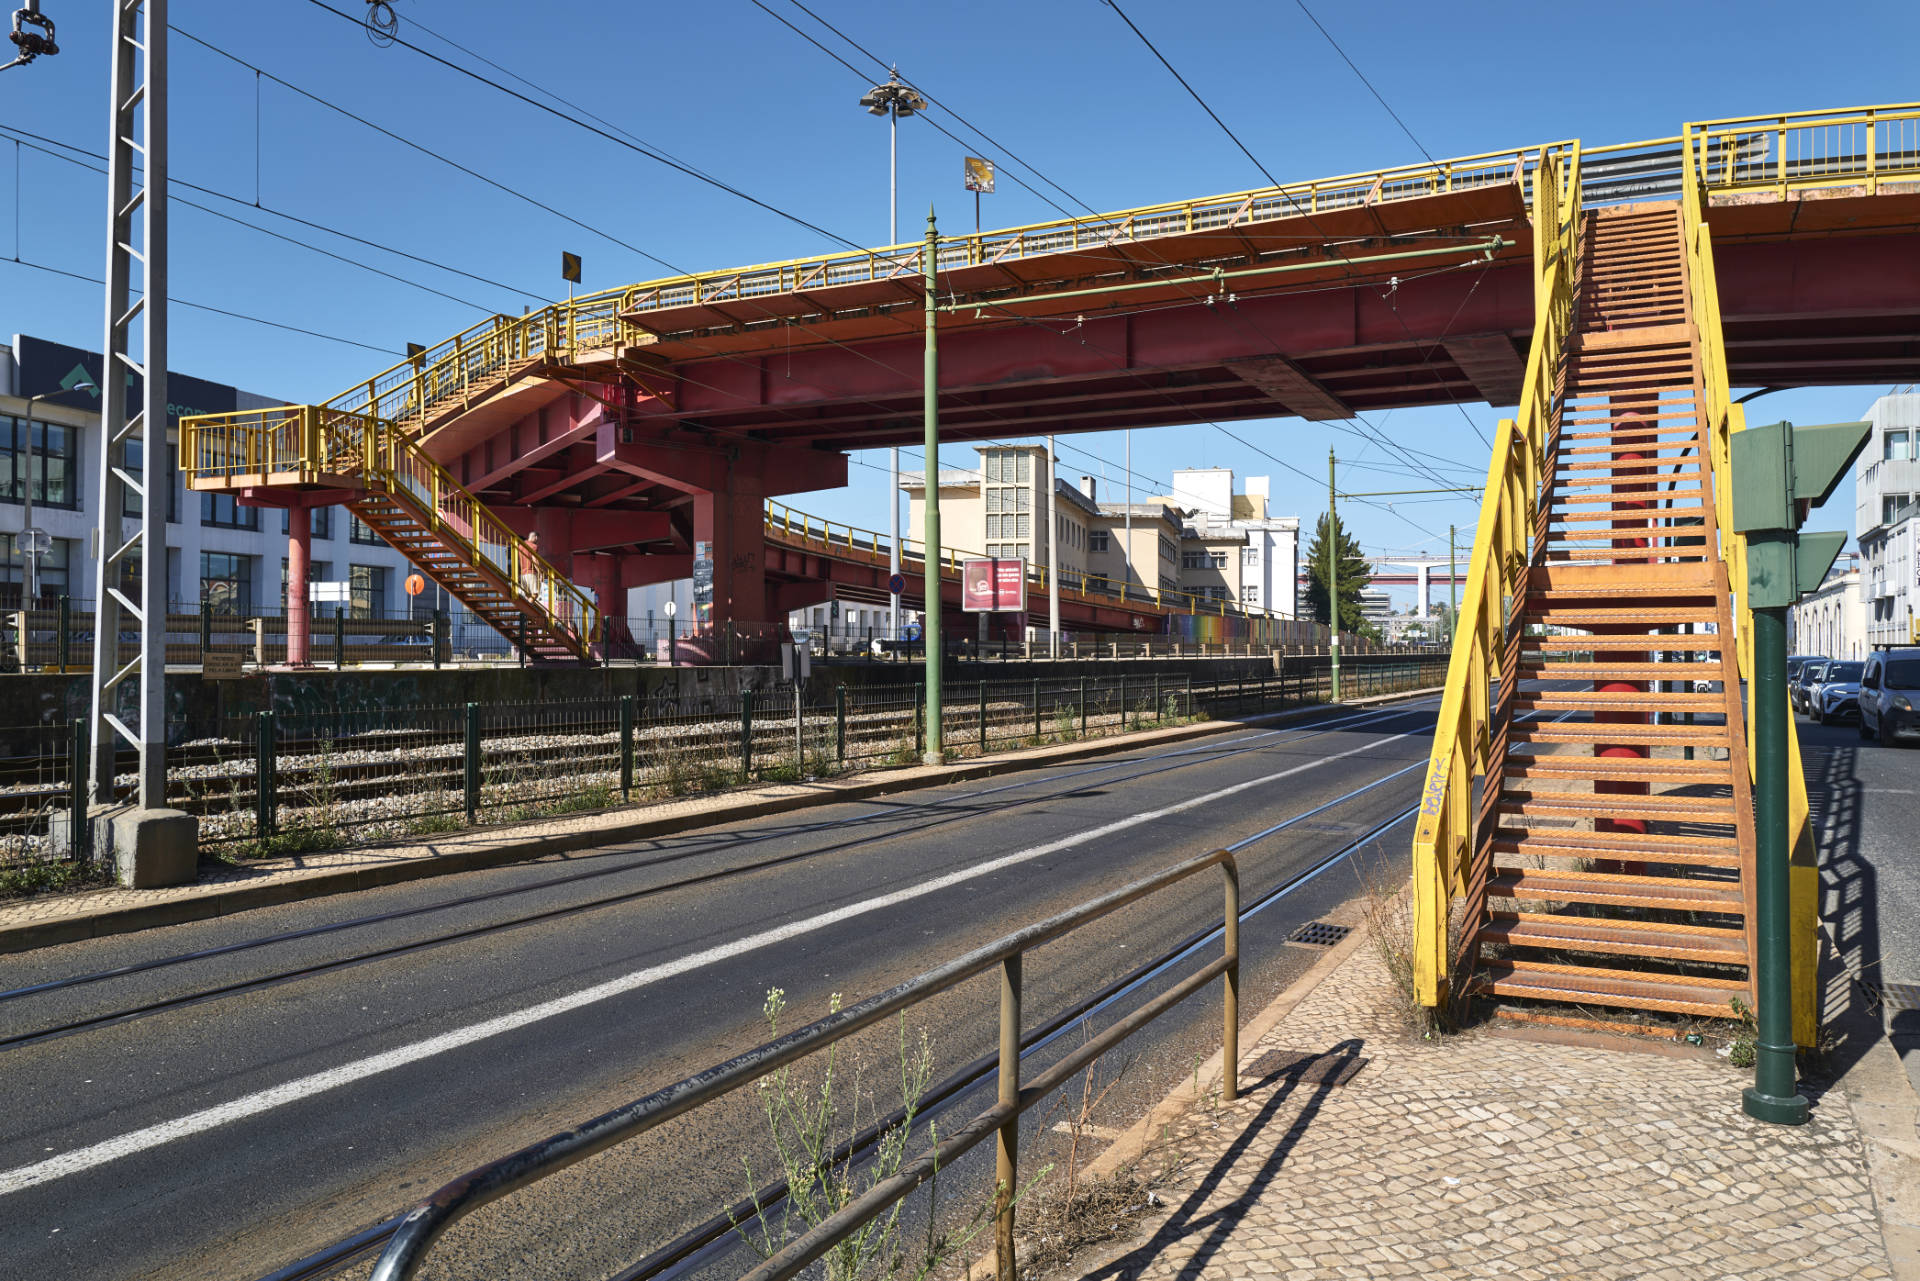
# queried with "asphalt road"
point(223, 1134)
point(1865, 799)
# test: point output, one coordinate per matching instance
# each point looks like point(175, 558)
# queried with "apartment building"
point(1886, 503)
point(217, 551)
point(1831, 620)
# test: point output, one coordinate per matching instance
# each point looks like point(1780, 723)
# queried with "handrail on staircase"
point(1444, 845)
point(319, 445)
point(1724, 419)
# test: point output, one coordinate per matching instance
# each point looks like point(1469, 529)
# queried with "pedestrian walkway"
point(1484, 1156)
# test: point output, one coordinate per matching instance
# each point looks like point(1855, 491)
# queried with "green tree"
point(1354, 571)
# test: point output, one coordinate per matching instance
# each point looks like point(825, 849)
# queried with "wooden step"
point(1629, 555)
point(1626, 989)
point(1635, 846)
point(1650, 478)
point(1634, 467)
point(1612, 889)
point(1613, 769)
point(1527, 803)
point(1704, 943)
point(1597, 700)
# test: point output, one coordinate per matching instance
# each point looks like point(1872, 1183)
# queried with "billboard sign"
point(51, 367)
point(993, 585)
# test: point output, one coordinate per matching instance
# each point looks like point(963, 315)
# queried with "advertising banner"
point(993, 585)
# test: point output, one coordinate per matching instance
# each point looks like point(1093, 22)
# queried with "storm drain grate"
point(1301, 1069)
point(1319, 934)
point(1900, 996)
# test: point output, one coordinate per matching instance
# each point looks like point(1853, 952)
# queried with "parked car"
point(1810, 674)
point(1837, 697)
point(1794, 663)
point(1889, 687)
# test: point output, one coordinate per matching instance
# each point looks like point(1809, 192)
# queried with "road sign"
point(896, 583)
point(330, 593)
point(669, 609)
point(36, 540)
point(570, 267)
point(415, 584)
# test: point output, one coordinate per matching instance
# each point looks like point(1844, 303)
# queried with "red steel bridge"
point(539, 466)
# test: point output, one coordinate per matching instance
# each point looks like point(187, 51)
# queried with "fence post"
point(206, 629)
point(266, 801)
point(673, 643)
point(626, 747)
point(66, 627)
point(472, 760)
point(339, 639)
point(523, 640)
point(80, 833)
point(1036, 711)
point(441, 631)
point(1230, 1033)
point(1123, 700)
point(1083, 707)
point(1189, 697)
point(746, 734)
point(840, 724)
point(919, 717)
point(983, 718)
point(1007, 1148)
point(1157, 710)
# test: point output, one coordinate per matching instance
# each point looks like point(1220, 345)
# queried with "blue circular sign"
point(897, 583)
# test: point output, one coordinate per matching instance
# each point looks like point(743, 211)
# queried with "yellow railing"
point(1444, 842)
point(1801, 151)
point(1097, 588)
point(1723, 420)
point(320, 444)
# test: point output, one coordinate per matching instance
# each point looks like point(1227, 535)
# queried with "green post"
point(1772, 1096)
point(1453, 587)
point(1333, 578)
point(626, 747)
point(66, 627)
point(1123, 700)
point(473, 762)
point(80, 831)
point(1083, 707)
point(1036, 711)
point(266, 816)
point(1157, 709)
point(673, 643)
point(840, 724)
point(919, 717)
point(206, 629)
point(930, 395)
point(983, 718)
point(339, 639)
point(746, 735)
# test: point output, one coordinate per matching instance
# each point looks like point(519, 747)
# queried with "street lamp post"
point(29, 551)
point(894, 100)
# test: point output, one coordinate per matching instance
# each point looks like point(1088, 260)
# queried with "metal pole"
point(626, 747)
point(932, 479)
point(930, 377)
point(1126, 576)
point(1053, 552)
point(1772, 1096)
point(1006, 1170)
point(1230, 1032)
point(136, 233)
point(472, 762)
point(1453, 585)
point(1333, 580)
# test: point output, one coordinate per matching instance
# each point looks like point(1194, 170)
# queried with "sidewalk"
point(1382, 1156)
point(45, 920)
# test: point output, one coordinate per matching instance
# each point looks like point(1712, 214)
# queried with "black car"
point(1810, 674)
point(1889, 688)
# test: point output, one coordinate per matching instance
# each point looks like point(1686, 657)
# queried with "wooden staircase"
point(1616, 827)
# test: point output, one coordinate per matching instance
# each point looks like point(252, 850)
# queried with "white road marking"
point(305, 1087)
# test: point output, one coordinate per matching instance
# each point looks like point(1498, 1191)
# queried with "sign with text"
point(993, 585)
point(216, 666)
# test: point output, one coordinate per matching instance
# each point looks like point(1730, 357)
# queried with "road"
point(221, 1115)
point(1865, 800)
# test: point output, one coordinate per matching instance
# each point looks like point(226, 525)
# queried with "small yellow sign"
point(570, 267)
point(220, 667)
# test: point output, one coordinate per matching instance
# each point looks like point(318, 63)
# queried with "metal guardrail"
point(422, 1227)
point(1443, 844)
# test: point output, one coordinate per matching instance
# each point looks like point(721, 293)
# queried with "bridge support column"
point(299, 557)
point(733, 526)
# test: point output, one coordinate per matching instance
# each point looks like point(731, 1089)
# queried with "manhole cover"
point(1319, 934)
point(1301, 1069)
point(1900, 996)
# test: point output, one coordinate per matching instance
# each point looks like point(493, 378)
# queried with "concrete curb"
point(495, 848)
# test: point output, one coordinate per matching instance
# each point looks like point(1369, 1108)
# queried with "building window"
point(360, 532)
point(130, 502)
point(1219, 593)
point(1098, 540)
point(1250, 557)
point(56, 463)
point(369, 590)
point(1203, 560)
point(226, 582)
point(1897, 445)
point(316, 573)
point(1891, 506)
point(1250, 594)
point(322, 522)
point(1169, 550)
point(225, 512)
point(51, 572)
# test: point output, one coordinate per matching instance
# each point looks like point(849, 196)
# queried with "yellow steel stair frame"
point(1443, 842)
point(1723, 419)
point(317, 446)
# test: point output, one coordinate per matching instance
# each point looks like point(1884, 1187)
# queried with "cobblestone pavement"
point(1482, 1156)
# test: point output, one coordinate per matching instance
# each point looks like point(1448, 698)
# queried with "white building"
point(217, 550)
point(1831, 621)
point(1270, 559)
point(1886, 484)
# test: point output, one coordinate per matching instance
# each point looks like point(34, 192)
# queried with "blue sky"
point(1061, 84)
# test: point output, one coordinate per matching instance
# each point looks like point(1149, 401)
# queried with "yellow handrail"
point(1724, 419)
point(317, 443)
point(1443, 842)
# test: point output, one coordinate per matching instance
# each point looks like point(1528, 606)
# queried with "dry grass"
point(1388, 907)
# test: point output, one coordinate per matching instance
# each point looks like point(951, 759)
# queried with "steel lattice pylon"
point(135, 316)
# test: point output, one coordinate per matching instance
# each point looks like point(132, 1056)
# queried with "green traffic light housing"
point(1780, 471)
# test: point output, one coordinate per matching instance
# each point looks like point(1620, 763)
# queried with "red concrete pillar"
point(732, 525)
point(299, 551)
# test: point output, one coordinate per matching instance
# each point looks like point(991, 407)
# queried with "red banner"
point(996, 586)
